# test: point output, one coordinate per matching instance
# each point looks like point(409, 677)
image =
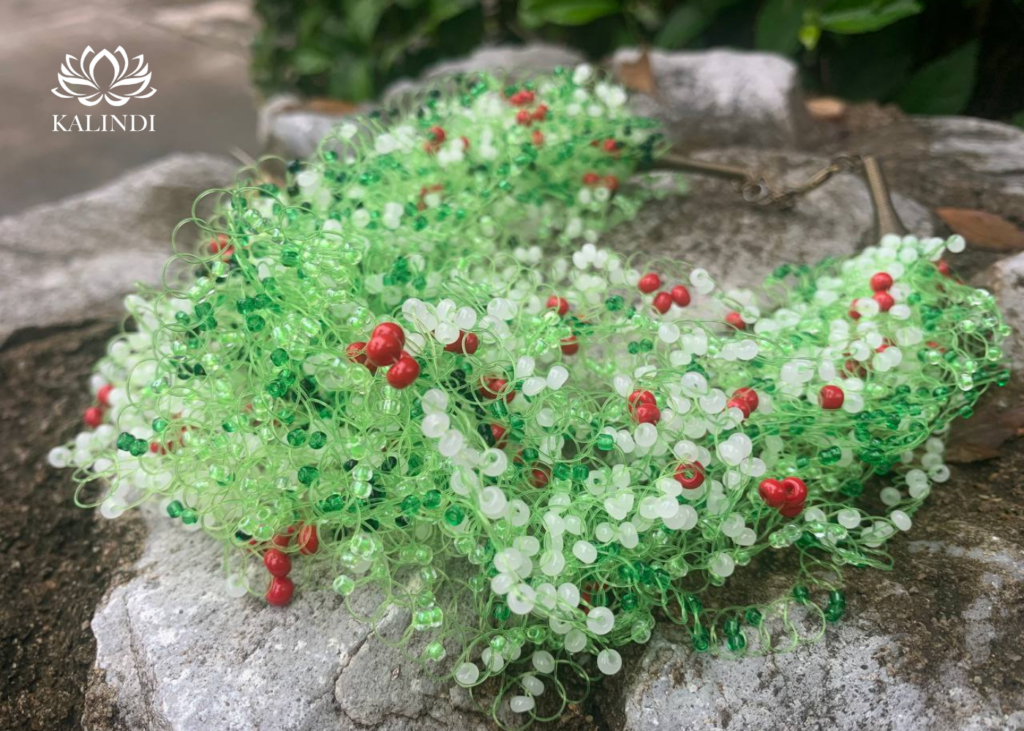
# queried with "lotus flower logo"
point(78, 78)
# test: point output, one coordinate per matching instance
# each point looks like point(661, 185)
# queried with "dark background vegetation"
point(927, 56)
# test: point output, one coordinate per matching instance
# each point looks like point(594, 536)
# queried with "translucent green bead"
point(175, 508)
point(297, 437)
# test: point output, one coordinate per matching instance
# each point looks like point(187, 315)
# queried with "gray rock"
point(75, 259)
point(722, 97)
point(981, 145)
point(179, 654)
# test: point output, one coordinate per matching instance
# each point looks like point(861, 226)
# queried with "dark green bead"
point(454, 515)
point(279, 357)
point(125, 441)
point(139, 447)
point(159, 425)
point(189, 517)
point(432, 498)
point(308, 474)
point(754, 617)
point(801, 594)
point(317, 440)
point(174, 508)
point(737, 642)
point(297, 437)
point(255, 323)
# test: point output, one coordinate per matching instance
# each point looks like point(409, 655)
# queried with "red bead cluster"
point(643, 407)
point(385, 348)
point(93, 415)
point(279, 563)
point(880, 285)
point(525, 117)
point(788, 496)
point(663, 301)
point(491, 387)
point(592, 180)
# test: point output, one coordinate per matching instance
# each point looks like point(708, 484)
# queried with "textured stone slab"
point(179, 654)
point(722, 97)
point(75, 259)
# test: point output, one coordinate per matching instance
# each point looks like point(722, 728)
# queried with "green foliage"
point(923, 56)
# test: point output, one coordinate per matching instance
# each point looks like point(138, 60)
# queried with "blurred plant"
point(930, 58)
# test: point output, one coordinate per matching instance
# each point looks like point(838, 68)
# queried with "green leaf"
point(311, 61)
point(362, 17)
point(858, 16)
point(943, 86)
point(565, 12)
point(686, 23)
point(778, 26)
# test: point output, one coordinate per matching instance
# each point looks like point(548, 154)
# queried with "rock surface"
point(935, 644)
point(75, 259)
point(723, 97)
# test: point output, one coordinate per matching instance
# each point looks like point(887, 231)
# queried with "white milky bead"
point(628, 536)
point(646, 435)
point(732, 525)
point(956, 244)
point(533, 386)
point(685, 519)
point(557, 377)
point(465, 318)
point(722, 565)
point(236, 586)
point(435, 425)
point(451, 442)
point(890, 496)
point(623, 385)
point(849, 518)
point(600, 620)
point(521, 704)
point(575, 640)
point(668, 332)
point(585, 551)
point(939, 474)
point(532, 685)
point(59, 457)
point(546, 417)
point(524, 367)
point(501, 584)
point(609, 662)
point(521, 599)
point(604, 532)
point(543, 661)
point(900, 519)
point(467, 674)
point(569, 594)
point(446, 333)
point(434, 400)
point(492, 502)
point(747, 537)
point(494, 462)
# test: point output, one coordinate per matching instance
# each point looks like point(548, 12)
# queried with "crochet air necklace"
point(410, 374)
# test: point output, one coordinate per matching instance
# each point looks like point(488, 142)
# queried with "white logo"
point(82, 74)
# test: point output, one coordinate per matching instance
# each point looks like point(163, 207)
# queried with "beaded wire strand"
point(408, 373)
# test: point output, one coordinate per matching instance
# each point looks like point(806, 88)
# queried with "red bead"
point(943, 266)
point(280, 591)
point(649, 282)
point(680, 295)
point(308, 541)
point(772, 492)
point(662, 302)
point(356, 352)
point(524, 118)
point(831, 397)
point(437, 135)
point(383, 350)
point(277, 562)
point(541, 112)
point(391, 330)
point(610, 145)
point(93, 416)
point(283, 540)
point(404, 372)
point(740, 404)
point(498, 432)
point(690, 475)
point(219, 244)
point(539, 476)
point(537, 138)
point(591, 178)
point(884, 300)
point(647, 414)
point(795, 490)
point(735, 320)
point(611, 183)
point(570, 345)
point(749, 395)
point(791, 510)
point(466, 344)
point(103, 395)
point(639, 397)
point(881, 282)
point(558, 303)
point(491, 388)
